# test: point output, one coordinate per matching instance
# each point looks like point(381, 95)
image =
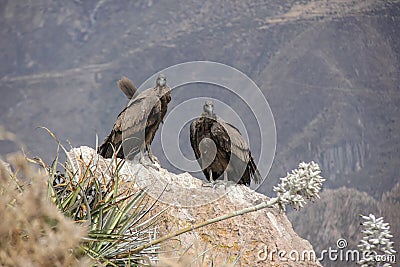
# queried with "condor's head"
point(161, 87)
point(161, 81)
point(208, 109)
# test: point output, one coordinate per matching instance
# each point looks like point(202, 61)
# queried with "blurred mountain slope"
point(329, 69)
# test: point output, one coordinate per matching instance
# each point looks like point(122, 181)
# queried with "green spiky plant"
point(118, 221)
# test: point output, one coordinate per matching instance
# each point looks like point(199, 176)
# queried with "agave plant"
point(118, 221)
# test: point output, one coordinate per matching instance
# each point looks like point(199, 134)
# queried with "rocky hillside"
point(329, 69)
point(334, 92)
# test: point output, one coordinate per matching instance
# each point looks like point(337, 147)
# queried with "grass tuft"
point(32, 231)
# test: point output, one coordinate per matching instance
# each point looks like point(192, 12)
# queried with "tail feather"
point(103, 149)
point(254, 171)
point(108, 148)
point(127, 87)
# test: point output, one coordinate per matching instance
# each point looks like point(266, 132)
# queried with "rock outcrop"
point(253, 239)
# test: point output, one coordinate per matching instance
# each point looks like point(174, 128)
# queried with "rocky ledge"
point(261, 238)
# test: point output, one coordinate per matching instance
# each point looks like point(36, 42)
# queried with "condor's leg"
point(212, 182)
point(226, 181)
point(150, 154)
point(211, 176)
point(140, 157)
point(226, 177)
point(153, 163)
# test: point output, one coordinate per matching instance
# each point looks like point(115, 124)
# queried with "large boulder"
point(253, 239)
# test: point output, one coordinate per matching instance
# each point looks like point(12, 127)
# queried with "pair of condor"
point(218, 146)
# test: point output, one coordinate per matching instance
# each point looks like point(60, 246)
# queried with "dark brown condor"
point(221, 150)
point(114, 139)
point(138, 122)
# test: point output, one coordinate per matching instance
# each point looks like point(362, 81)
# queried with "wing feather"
point(138, 113)
point(193, 138)
point(230, 140)
point(113, 140)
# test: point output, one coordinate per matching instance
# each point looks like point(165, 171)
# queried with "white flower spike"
point(376, 241)
point(302, 184)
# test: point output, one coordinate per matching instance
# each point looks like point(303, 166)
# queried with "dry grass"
point(32, 231)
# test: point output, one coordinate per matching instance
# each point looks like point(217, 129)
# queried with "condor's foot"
point(154, 159)
point(208, 184)
point(211, 183)
point(150, 163)
point(225, 183)
point(218, 183)
point(146, 161)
